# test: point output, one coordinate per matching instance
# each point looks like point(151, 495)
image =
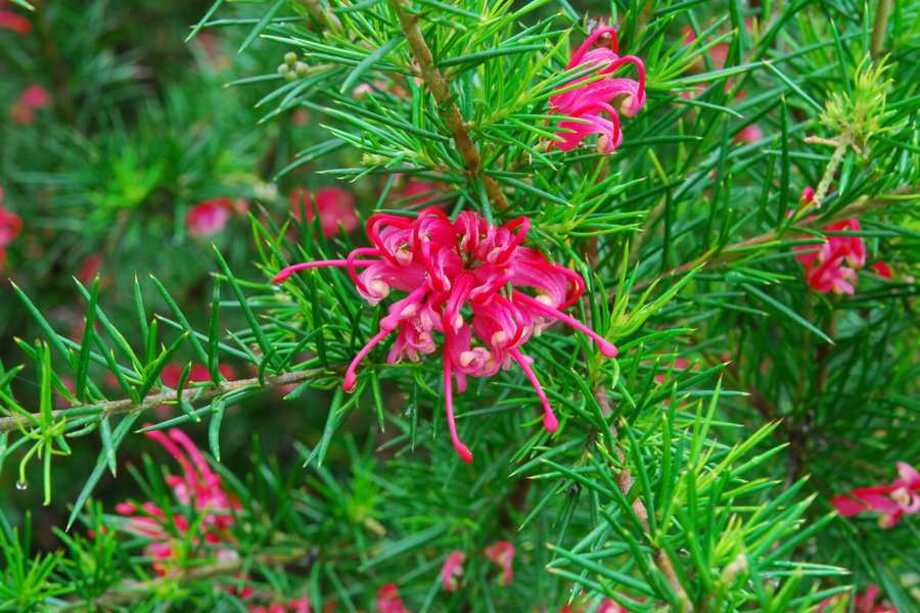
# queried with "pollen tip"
point(349, 382)
point(281, 277)
point(607, 348)
point(550, 423)
point(464, 453)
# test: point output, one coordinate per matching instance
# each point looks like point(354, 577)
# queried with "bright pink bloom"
point(901, 497)
point(10, 227)
point(444, 266)
point(10, 224)
point(750, 133)
point(388, 600)
point(452, 570)
point(336, 208)
point(502, 554)
point(14, 22)
point(33, 98)
point(211, 216)
point(198, 487)
point(882, 269)
point(595, 105)
point(832, 265)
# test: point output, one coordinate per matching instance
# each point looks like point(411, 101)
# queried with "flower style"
point(211, 216)
point(10, 227)
point(336, 207)
point(901, 497)
point(502, 554)
point(197, 487)
point(595, 105)
point(452, 570)
point(444, 267)
point(33, 98)
point(388, 600)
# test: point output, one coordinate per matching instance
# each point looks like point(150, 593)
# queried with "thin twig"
point(882, 14)
point(625, 480)
point(447, 108)
point(114, 407)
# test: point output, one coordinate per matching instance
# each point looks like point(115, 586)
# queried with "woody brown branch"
point(883, 13)
point(115, 407)
point(440, 88)
point(624, 481)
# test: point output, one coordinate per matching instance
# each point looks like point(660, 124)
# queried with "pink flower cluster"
point(211, 216)
point(891, 502)
point(596, 103)
point(10, 227)
point(335, 206)
point(866, 602)
point(199, 487)
point(12, 21)
point(501, 553)
point(389, 601)
point(832, 266)
point(32, 99)
point(444, 267)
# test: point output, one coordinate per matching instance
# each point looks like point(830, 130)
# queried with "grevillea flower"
point(610, 606)
point(502, 554)
point(596, 104)
point(891, 502)
point(452, 570)
point(832, 265)
point(336, 207)
point(388, 600)
point(211, 216)
point(198, 487)
point(866, 602)
point(443, 267)
point(14, 22)
point(10, 224)
point(33, 98)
